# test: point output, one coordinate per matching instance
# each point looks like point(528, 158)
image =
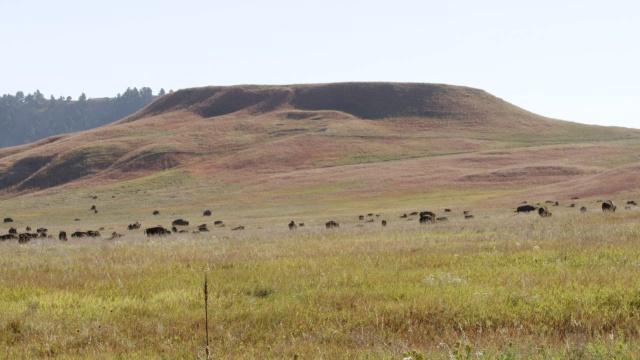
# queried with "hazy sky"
point(569, 60)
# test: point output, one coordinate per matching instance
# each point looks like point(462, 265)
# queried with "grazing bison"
point(203, 228)
point(8, 220)
point(92, 233)
point(583, 209)
point(156, 212)
point(134, 226)
point(24, 238)
point(180, 222)
point(608, 206)
point(442, 218)
point(469, 216)
point(427, 216)
point(632, 203)
point(93, 207)
point(403, 216)
point(62, 236)
point(331, 224)
point(292, 225)
point(238, 228)
point(79, 234)
point(13, 230)
point(156, 230)
point(8, 237)
point(544, 212)
point(525, 208)
point(447, 210)
point(218, 223)
point(207, 213)
point(384, 222)
point(361, 217)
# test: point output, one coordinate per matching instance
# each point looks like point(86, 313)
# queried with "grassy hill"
point(305, 148)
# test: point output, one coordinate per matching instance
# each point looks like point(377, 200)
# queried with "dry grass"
point(499, 286)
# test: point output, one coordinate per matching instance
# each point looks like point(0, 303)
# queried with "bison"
point(180, 222)
point(238, 228)
point(203, 228)
point(156, 212)
point(427, 216)
point(583, 209)
point(13, 230)
point(525, 208)
point(292, 225)
point(8, 237)
point(608, 206)
point(24, 238)
point(79, 234)
point(8, 220)
point(92, 233)
point(632, 203)
point(134, 226)
point(331, 224)
point(62, 236)
point(156, 230)
point(207, 213)
point(384, 222)
point(544, 212)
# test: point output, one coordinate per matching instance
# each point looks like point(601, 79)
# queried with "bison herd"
point(424, 217)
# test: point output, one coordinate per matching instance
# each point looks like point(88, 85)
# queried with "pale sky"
point(568, 60)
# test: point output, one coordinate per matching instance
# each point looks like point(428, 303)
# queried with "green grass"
point(506, 286)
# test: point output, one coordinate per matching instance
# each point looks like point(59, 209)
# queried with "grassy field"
point(502, 285)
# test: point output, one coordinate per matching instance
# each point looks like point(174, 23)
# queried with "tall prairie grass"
point(500, 286)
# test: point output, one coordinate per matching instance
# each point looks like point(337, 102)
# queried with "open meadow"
point(501, 285)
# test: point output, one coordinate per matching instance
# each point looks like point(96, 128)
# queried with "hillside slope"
point(391, 138)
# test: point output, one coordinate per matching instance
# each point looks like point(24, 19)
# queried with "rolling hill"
point(328, 147)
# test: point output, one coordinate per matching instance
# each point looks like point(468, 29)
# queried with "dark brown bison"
point(134, 226)
point(218, 223)
point(238, 228)
point(384, 222)
point(525, 208)
point(608, 206)
point(583, 209)
point(207, 213)
point(469, 216)
point(115, 235)
point(8, 237)
point(427, 216)
point(361, 217)
point(442, 218)
point(156, 230)
point(632, 203)
point(447, 210)
point(79, 234)
point(203, 228)
point(13, 230)
point(62, 236)
point(93, 207)
point(24, 238)
point(331, 224)
point(292, 225)
point(180, 222)
point(92, 233)
point(544, 212)
point(8, 220)
point(156, 212)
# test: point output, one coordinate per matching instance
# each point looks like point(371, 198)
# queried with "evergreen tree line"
point(28, 118)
